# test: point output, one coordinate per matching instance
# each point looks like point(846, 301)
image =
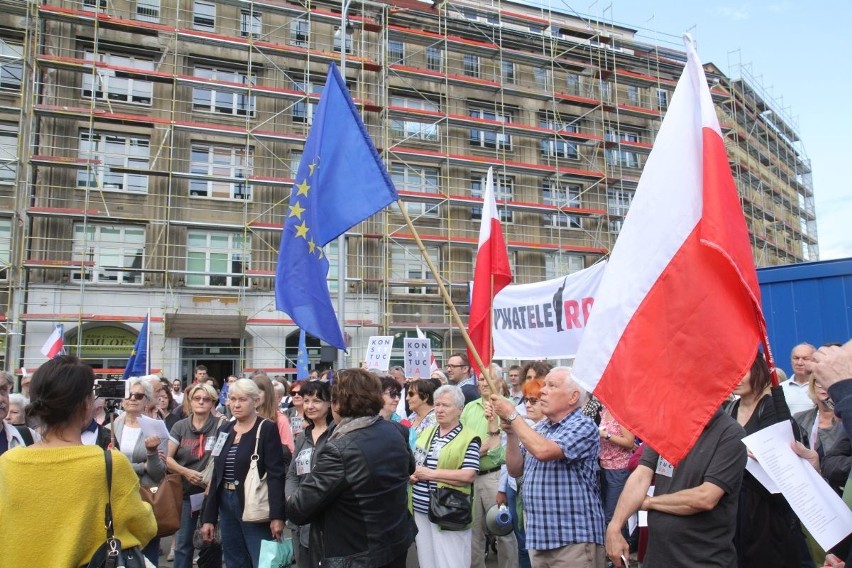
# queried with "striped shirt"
point(562, 502)
point(420, 491)
point(230, 460)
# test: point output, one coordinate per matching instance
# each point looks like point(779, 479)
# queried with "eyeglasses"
point(202, 399)
point(454, 366)
point(530, 400)
point(295, 393)
point(393, 394)
point(135, 396)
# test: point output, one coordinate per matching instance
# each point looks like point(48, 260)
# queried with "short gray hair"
point(144, 382)
point(18, 400)
point(454, 391)
point(247, 387)
point(569, 380)
point(8, 378)
point(280, 388)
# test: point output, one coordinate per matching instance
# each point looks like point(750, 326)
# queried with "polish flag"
point(677, 317)
point(491, 274)
point(54, 344)
point(433, 364)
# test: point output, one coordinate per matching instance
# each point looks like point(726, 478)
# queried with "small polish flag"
point(55, 343)
point(680, 288)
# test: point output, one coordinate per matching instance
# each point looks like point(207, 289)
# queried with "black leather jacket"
point(356, 497)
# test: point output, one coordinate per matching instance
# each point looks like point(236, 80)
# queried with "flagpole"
point(446, 295)
point(148, 343)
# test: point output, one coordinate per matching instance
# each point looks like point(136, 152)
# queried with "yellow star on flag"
point(302, 230)
point(297, 210)
point(303, 188)
point(311, 245)
point(312, 167)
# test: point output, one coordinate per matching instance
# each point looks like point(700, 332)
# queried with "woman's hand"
point(207, 532)
point(277, 527)
point(194, 477)
point(423, 473)
point(152, 443)
point(810, 455)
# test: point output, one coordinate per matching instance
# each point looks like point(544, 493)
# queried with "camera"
point(111, 389)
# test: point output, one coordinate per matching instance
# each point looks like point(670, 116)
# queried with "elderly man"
point(693, 512)
point(458, 372)
point(479, 417)
point(558, 458)
point(11, 436)
point(796, 389)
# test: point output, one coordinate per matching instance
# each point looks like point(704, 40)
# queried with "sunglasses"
point(530, 400)
point(202, 399)
point(135, 396)
point(393, 394)
point(295, 393)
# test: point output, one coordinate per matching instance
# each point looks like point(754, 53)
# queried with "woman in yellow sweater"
point(56, 488)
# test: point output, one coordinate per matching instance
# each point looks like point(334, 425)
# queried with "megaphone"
point(498, 520)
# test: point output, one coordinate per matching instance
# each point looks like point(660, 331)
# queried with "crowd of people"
point(361, 466)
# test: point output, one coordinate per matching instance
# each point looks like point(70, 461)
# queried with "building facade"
point(147, 149)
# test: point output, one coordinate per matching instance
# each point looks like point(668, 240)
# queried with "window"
point(337, 40)
point(223, 99)
point(96, 4)
point(471, 65)
point(507, 71)
point(104, 151)
point(412, 128)
point(8, 152)
point(300, 30)
point(418, 179)
point(11, 65)
point(230, 165)
point(490, 138)
point(633, 95)
point(204, 15)
point(573, 83)
point(622, 158)
point(409, 267)
point(5, 247)
point(618, 201)
point(216, 258)
point(331, 256)
point(504, 188)
point(111, 253)
point(561, 196)
point(295, 160)
point(662, 99)
point(542, 78)
point(251, 23)
point(148, 10)
point(558, 264)
point(303, 111)
point(434, 58)
point(559, 149)
point(396, 51)
point(117, 86)
point(605, 90)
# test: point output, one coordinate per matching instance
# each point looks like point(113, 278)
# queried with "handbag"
point(450, 509)
point(276, 553)
point(166, 500)
point(110, 554)
point(255, 489)
point(209, 553)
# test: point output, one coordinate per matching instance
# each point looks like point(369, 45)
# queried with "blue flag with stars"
point(302, 371)
point(137, 364)
point(341, 181)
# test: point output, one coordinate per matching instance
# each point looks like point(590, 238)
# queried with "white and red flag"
point(433, 364)
point(55, 343)
point(677, 317)
point(491, 274)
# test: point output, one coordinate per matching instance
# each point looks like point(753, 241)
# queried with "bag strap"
point(257, 438)
point(110, 532)
point(26, 435)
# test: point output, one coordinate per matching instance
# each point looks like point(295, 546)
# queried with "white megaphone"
point(498, 520)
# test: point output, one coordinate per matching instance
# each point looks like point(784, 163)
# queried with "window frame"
point(212, 188)
point(504, 190)
point(9, 159)
point(204, 15)
point(300, 32)
point(471, 65)
point(241, 103)
point(11, 69)
point(100, 159)
point(406, 263)
point(481, 136)
point(562, 195)
point(431, 53)
point(91, 250)
point(138, 91)
point(235, 253)
point(251, 23)
point(148, 10)
point(417, 178)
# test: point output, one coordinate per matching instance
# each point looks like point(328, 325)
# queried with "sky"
point(799, 51)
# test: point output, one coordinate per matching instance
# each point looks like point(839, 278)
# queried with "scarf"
point(348, 425)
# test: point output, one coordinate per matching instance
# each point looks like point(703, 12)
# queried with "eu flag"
point(341, 181)
point(302, 371)
point(137, 364)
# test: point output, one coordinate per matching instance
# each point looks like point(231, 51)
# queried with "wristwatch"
point(511, 417)
point(608, 436)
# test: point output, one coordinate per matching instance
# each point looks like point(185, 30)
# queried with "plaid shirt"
point(562, 503)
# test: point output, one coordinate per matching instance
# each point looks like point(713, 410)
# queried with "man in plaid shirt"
point(558, 459)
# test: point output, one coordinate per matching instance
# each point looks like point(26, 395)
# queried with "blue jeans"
point(520, 533)
point(240, 541)
point(613, 481)
point(152, 551)
point(183, 538)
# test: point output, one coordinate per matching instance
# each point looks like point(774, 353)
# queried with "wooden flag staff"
point(446, 295)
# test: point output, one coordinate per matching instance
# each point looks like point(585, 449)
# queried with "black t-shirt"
point(704, 539)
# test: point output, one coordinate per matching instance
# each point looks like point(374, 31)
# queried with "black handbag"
point(110, 554)
point(209, 553)
point(450, 509)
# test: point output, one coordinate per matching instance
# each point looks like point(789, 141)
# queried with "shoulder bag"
point(255, 488)
point(166, 500)
point(449, 508)
point(110, 553)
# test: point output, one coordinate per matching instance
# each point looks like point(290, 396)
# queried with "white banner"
point(418, 358)
point(379, 352)
point(544, 320)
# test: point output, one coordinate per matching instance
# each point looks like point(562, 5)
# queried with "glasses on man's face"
point(135, 396)
point(202, 399)
point(530, 400)
point(449, 366)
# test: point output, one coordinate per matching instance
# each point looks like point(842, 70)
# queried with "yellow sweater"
point(52, 506)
